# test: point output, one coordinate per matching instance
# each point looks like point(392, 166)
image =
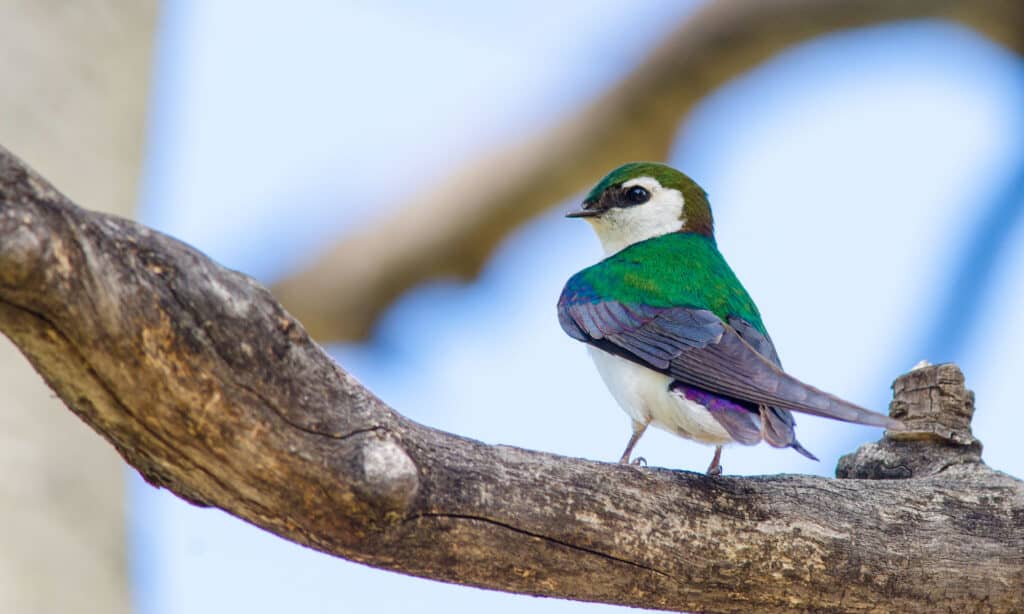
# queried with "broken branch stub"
point(936, 407)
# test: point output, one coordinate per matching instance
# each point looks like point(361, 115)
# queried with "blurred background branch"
point(73, 91)
point(454, 226)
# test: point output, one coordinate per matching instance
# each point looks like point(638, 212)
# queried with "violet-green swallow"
point(676, 338)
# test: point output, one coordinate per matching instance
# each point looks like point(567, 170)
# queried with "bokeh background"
point(867, 184)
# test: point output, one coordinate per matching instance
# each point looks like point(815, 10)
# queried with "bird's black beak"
point(589, 208)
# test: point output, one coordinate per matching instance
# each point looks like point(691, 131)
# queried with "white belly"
point(644, 395)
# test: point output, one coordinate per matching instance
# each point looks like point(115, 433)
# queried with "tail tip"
point(802, 450)
point(895, 425)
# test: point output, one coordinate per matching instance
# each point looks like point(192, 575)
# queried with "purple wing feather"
point(697, 348)
point(741, 422)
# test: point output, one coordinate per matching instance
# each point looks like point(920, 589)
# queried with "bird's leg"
point(714, 468)
point(638, 430)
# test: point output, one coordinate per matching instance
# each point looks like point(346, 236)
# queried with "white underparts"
point(644, 395)
point(618, 228)
point(641, 392)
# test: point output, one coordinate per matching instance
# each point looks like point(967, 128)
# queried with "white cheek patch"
point(619, 228)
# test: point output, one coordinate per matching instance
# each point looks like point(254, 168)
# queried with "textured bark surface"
point(451, 229)
point(73, 86)
point(210, 389)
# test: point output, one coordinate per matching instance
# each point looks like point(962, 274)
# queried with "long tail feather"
point(734, 368)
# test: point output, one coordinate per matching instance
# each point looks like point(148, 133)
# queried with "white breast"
point(644, 395)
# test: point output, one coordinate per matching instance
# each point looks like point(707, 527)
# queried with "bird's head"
point(641, 200)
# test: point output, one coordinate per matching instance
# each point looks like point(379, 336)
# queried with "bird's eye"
point(637, 195)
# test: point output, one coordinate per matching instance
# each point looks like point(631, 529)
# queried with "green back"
point(679, 269)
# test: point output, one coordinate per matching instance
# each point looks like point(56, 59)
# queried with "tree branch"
point(210, 389)
point(450, 230)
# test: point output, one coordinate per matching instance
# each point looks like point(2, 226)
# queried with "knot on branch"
point(936, 408)
point(390, 478)
point(22, 247)
point(20, 251)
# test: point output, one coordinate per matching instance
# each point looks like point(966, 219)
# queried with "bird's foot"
point(639, 462)
point(638, 430)
point(715, 468)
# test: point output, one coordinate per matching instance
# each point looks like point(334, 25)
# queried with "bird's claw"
point(636, 462)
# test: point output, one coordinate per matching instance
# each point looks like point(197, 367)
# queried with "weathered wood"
point(937, 410)
point(210, 389)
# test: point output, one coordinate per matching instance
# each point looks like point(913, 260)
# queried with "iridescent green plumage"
point(675, 270)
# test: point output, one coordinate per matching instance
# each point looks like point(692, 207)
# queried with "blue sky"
point(853, 180)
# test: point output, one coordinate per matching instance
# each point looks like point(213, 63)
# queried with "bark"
point(208, 387)
point(73, 87)
point(451, 229)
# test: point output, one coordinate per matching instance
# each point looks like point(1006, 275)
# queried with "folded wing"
point(696, 347)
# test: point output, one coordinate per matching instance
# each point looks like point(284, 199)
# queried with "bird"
point(677, 340)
